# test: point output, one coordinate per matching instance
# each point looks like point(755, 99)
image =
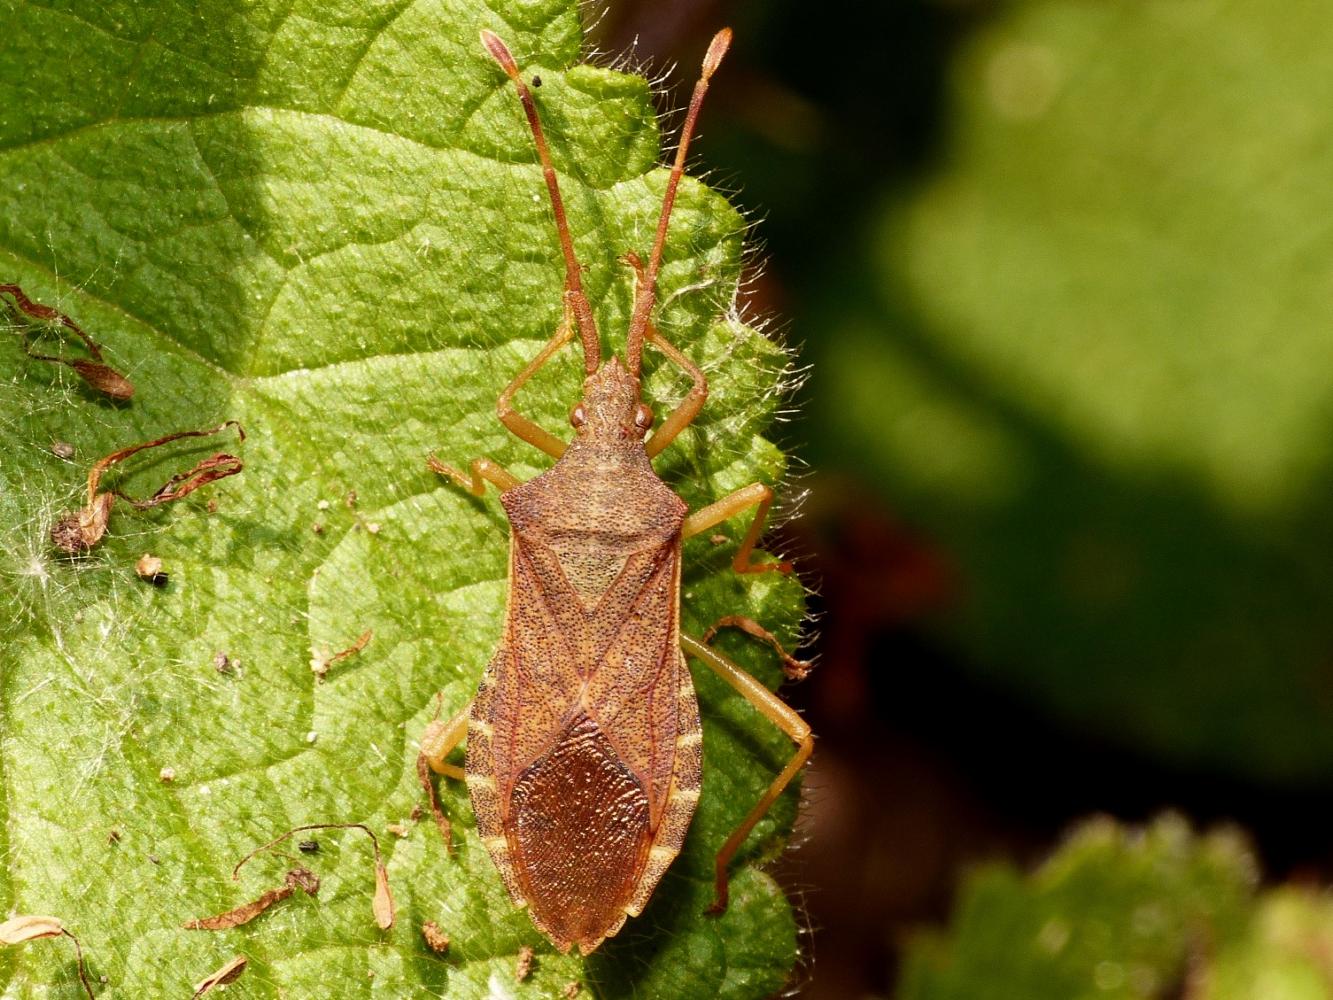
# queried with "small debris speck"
point(351, 498)
point(317, 528)
point(303, 879)
point(222, 663)
point(167, 775)
point(373, 527)
point(523, 967)
point(572, 990)
point(212, 507)
point(718, 539)
point(113, 837)
point(436, 939)
point(149, 567)
point(323, 505)
point(311, 736)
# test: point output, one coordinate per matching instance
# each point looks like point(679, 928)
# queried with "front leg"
point(519, 425)
point(755, 495)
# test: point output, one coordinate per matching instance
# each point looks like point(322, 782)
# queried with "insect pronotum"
point(583, 742)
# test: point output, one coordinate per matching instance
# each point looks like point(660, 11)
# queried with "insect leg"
point(437, 742)
point(796, 670)
point(755, 495)
point(781, 715)
point(520, 425)
point(683, 415)
point(483, 471)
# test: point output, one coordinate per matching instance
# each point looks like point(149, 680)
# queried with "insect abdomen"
point(579, 825)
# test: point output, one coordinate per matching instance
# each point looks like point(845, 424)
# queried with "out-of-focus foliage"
point(1120, 914)
point(1094, 364)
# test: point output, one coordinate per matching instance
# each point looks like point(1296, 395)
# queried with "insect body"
point(583, 743)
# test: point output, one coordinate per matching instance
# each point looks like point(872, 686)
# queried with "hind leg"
point(437, 742)
point(778, 712)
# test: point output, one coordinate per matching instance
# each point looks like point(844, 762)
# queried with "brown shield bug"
point(583, 742)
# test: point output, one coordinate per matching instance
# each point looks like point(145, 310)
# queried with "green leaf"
point(1122, 913)
point(1113, 915)
point(1094, 367)
point(325, 220)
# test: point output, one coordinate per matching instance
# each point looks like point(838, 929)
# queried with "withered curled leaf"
point(96, 373)
point(382, 904)
point(17, 930)
point(101, 377)
point(80, 531)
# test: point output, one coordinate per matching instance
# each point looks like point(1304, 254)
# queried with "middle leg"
point(755, 495)
point(483, 471)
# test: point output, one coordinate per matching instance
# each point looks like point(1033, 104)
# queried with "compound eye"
point(578, 416)
point(643, 417)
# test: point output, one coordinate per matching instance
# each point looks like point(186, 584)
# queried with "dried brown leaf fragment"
point(95, 372)
point(31, 927)
point(436, 939)
point(82, 530)
point(523, 966)
point(298, 878)
point(382, 905)
point(227, 974)
point(242, 914)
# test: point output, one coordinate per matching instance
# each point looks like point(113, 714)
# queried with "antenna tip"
point(499, 51)
point(717, 48)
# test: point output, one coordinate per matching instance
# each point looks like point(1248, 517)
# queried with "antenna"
point(646, 294)
point(592, 347)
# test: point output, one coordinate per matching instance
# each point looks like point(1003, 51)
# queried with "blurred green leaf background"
point(1063, 274)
